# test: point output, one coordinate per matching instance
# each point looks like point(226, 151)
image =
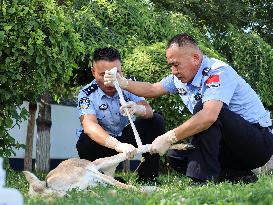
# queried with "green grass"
point(174, 189)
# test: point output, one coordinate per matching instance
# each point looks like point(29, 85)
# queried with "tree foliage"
point(216, 16)
point(123, 24)
point(253, 59)
point(260, 13)
point(38, 50)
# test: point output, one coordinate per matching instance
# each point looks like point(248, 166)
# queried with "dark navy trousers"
point(148, 130)
point(230, 143)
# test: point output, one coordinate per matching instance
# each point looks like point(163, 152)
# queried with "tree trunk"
point(43, 134)
point(29, 139)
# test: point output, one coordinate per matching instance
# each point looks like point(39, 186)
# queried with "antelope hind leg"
point(110, 180)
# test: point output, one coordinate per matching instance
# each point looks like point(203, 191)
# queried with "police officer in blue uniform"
point(230, 128)
point(105, 129)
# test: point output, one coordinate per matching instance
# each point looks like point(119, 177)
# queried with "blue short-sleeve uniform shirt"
point(216, 80)
point(92, 100)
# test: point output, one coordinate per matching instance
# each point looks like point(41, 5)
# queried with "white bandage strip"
point(123, 102)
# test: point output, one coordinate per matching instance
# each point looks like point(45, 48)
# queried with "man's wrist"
point(124, 82)
point(111, 142)
point(141, 111)
point(171, 137)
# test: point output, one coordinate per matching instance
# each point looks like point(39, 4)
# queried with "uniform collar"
point(198, 77)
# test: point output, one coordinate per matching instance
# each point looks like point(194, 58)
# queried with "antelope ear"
point(36, 184)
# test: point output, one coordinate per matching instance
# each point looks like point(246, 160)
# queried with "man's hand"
point(111, 76)
point(163, 142)
point(133, 108)
point(128, 149)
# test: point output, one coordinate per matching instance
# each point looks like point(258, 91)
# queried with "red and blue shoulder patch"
point(213, 81)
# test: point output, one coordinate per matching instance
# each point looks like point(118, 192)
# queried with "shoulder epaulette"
point(90, 89)
point(214, 66)
point(217, 64)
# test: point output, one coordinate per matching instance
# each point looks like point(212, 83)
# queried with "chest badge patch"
point(213, 81)
point(182, 91)
point(198, 96)
point(127, 99)
point(103, 106)
point(84, 103)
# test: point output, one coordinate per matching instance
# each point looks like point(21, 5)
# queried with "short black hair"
point(107, 54)
point(181, 40)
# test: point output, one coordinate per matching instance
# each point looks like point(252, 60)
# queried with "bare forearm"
point(201, 121)
point(197, 123)
point(96, 133)
point(148, 110)
point(145, 89)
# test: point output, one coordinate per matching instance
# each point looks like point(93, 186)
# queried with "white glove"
point(133, 108)
point(111, 76)
point(128, 149)
point(163, 142)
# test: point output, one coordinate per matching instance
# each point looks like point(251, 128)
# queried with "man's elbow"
point(87, 130)
point(210, 120)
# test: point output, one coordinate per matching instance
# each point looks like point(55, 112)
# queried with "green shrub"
point(38, 51)
point(252, 57)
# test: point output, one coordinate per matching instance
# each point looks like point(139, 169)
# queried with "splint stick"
point(123, 102)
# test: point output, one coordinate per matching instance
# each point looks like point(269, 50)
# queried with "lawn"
point(173, 189)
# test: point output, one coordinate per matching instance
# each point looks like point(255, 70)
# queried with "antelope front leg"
point(108, 162)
